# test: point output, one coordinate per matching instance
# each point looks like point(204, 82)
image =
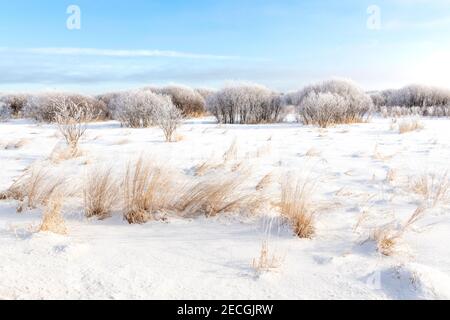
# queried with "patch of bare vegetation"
point(53, 220)
point(297, 207)
point(389, 236)
point(267, 261)
point(33, 188)
point(434, 188)
point(147, 191)
point(410, 125)
point(101, 193)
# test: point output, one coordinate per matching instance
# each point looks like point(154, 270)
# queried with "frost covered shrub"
point(205, 93)
point(5, 112)
point(46, 107)
point(168, 117)
point(418, 96)
point(332, 102)
point(138, 109)
point(396, 111)
point(15, 102)
point(189, 101)
point(245, 104)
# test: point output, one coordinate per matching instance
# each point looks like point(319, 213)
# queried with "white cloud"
point(430, 24)
point(117, 53)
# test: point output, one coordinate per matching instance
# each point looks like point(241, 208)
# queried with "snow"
point(211, 258)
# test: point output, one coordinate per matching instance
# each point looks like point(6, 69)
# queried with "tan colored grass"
point(146, 191)
point(63, 153)
point(33, 188)
point(434, 188)
point(215, 194)
point(377, 155)
point(231, 153)
point(391, 175)
point(265, 182)
point(313, 152)
point(388, 237)
point(410, 125)
point(296, 206)
point(101, 193)
point(266, 261)
point(16, 144)
point(52, 219)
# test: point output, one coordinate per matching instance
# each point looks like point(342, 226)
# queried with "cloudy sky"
point(283, 44)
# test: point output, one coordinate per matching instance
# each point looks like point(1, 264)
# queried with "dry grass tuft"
point(33, 188)
point(265, 182)
point(52, 219)
point(101, 193)
point(231, 153)
point(391, 175)
point(147, 190)
point(388, 237)
point(215, 194)
point(266, 260)
point(296, 206)
point(409, 126)
point(377, 155)
point(432, 187)
point(16, 144)
point(313, 152)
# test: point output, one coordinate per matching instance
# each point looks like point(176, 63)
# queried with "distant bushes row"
point(323, 104)
point(245, 104)
point(413, 100)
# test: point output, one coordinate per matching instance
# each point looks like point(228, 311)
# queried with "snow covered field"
point(364, 177)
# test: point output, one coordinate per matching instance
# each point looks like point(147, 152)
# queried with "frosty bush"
point(205, 93)
point(5, 112)
point(332, 102)
point(168, 118)
point(46, 107)
point(190, 102)
point(418, 96)
point(15, 102)
point(245, 104)
point(137, 109)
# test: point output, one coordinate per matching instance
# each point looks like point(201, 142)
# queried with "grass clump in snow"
point(388, 237)
point(52, 219)
point(101, 193)
point(146, 191)
point(434, 188)
point(409, 126)
point(33, 188)
point(296, 206)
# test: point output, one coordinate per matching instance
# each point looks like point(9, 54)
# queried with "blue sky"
point(283, 44)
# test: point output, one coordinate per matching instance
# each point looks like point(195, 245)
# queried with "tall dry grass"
point(101, 193)
point(147, 190)
point(409, 126)
point(297, 207)
point(388, 237)
point(434, 188)
point(33, 188)
point(52, 220)
point(215, 194)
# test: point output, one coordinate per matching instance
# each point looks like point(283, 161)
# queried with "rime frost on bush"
point(205, 93)
point(15, 102)
point(138, 109)
point(168, 117)
point(418, 96)
point(5, 112)
point(46, 107)
point(246, 104)
point(189, 101)
point(332, 102)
